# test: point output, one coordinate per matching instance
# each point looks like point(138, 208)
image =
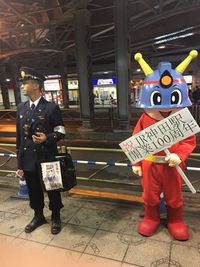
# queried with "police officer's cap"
point(30, 74)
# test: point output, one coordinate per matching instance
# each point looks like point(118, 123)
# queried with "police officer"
point(39, 126)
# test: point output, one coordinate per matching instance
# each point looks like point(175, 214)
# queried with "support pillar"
point(15, 82)
point(122, 61)
point(65, 95)
point(84, 70)
point(4, 89)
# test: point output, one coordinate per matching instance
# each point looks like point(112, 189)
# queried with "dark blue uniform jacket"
point(45, 118)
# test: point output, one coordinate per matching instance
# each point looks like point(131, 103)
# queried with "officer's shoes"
point(55, 226)
point(35, 223)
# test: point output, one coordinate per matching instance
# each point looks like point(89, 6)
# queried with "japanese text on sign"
point(160, 135)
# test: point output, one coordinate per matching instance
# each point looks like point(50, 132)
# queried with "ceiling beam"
point(16, 12)
point(53, 23)
point(27, 50)
point(149, 6)
point(174, 12)
point(146, 12)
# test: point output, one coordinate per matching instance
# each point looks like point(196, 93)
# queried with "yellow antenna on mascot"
point(144, 65)
point(183, 65)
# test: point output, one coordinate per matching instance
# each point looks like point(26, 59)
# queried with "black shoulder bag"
point(51, 170)
point(67, 170)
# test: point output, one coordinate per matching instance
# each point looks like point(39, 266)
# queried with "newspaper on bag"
point(160, 136)
point(51, 175)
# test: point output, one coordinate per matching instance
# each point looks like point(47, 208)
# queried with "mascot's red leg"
point(175, 224)
point(151, 221)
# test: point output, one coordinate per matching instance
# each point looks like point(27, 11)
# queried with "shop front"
point(53, 89)
point(105, 91)
point(73, 92)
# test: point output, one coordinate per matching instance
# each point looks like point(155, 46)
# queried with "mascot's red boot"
point(151, 221)
point(176, 226)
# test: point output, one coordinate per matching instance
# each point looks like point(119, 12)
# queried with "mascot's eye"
point(176, 97)
point(156, 98)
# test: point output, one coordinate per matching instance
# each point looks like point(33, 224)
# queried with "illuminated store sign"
point(53, 77)
point(52, 85)
point(72, 84)
point(100, 82)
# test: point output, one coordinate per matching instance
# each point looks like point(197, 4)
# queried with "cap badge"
point(23, 74)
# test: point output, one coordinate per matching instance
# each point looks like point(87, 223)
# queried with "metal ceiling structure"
point(42, 33)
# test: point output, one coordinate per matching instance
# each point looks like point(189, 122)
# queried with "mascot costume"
point(164, 92)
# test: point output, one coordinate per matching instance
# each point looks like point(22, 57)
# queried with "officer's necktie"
point(33, 106)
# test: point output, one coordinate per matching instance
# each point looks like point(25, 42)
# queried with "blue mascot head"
point(165, 87)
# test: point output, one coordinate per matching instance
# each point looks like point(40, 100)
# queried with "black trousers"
point(36, 194)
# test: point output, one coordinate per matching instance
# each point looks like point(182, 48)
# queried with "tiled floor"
point(94, 233)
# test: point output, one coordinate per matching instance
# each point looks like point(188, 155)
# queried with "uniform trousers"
point(36, 195)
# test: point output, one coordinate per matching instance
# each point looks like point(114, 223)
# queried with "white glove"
point(137, 170)
point(173, 160)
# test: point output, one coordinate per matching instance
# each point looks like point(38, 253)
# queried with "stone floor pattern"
point(95, 232)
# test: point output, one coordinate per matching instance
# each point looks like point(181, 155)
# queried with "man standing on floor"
point(39, 126)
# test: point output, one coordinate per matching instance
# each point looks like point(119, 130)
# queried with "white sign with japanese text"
point(51, 175)
point(160, 135)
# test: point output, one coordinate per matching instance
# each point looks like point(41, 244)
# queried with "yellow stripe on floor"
point(106, 195)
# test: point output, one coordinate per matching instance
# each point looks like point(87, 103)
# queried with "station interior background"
point(42, 34)
point(86, 48)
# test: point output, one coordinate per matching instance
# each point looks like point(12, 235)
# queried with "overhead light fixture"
point(138, 70)
point(7, 80)
point(173, 33)
point(161, 47)
point(174, 38)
